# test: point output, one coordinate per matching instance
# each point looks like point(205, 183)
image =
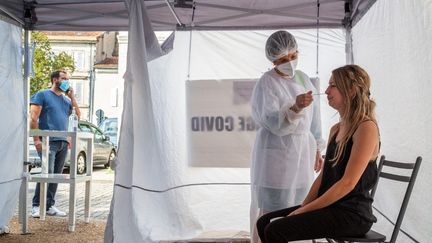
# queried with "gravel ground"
point(54, 229)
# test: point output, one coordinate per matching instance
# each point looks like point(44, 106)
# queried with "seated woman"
point(338, 203)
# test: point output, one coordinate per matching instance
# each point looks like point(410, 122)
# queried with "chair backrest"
point(414, 167)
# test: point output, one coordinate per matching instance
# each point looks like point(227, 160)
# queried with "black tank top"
point(359, 200)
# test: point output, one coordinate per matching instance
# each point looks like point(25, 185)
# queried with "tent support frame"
point(174, 13)
point(251, 12)
point(12, 17)
point(23, 219)
point(349, 46)
point(347, 23)
point(357, 14)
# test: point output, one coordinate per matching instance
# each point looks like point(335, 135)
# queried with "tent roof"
point(94, 15)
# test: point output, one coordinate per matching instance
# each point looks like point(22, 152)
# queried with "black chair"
point(373, 236)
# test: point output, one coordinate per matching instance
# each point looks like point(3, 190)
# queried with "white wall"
point(109, 83)
point(108, 92)
point(392, 42)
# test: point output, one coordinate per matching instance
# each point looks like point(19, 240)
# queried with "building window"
point(79, 94)
point(79, 60)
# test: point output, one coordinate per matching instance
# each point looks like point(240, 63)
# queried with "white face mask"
point(288, 68)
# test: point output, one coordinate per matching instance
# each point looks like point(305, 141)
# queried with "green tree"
point(45, 61)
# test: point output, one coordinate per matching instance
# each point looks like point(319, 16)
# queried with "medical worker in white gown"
point(288, 143)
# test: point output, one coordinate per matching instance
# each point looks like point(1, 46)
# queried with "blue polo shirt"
point(55, 111)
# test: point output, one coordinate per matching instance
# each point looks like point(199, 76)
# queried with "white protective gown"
point(285, 148)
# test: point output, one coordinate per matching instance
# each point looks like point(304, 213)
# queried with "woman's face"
point(334, 96)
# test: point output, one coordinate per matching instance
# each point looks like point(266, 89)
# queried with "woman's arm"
point(365, 142)
point(313, 191)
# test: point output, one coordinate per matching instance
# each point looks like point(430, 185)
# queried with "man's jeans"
point(56, 159)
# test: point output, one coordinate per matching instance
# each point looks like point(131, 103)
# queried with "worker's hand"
point(304, 100)
point(319, 162)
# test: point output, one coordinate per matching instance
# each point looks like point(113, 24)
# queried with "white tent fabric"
point(141, 161)
point(155, 186)
point(105, 15)
point(392, 42)
point(12, 125)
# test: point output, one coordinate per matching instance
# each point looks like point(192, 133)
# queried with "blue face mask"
point(64, 85)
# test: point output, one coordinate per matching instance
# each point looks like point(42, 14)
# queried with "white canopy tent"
point(107, 15)
point(383, 44)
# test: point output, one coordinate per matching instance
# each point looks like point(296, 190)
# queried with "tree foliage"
point(45, 61)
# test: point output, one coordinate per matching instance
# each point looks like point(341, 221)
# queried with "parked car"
point(109, 127)
point(33, 155)
point(104, 150)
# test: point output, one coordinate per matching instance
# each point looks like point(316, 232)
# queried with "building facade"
point(108, 82)
point(82, 47)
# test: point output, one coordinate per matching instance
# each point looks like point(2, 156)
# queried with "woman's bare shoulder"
point(367, 128)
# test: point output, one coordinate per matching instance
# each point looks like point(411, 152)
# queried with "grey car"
point(104, 150)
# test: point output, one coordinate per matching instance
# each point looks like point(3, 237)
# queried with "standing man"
point(50, 110)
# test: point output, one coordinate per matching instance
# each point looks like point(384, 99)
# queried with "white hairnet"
point(279, 44)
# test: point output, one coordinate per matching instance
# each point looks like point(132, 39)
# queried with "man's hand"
point(35, 111)
point(38, 145)
point(71, 93)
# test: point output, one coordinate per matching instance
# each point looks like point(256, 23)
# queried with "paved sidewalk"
point(101, 194)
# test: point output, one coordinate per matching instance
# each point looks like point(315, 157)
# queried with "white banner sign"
point(221, 129)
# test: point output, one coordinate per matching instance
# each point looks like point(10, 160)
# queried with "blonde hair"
point(353, 83)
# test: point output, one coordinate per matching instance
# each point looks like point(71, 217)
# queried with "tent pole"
point(23, 219)
point(174, 13)
point(347, 23)
point(348, 46)
point(190, 40)
point(317, 38)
